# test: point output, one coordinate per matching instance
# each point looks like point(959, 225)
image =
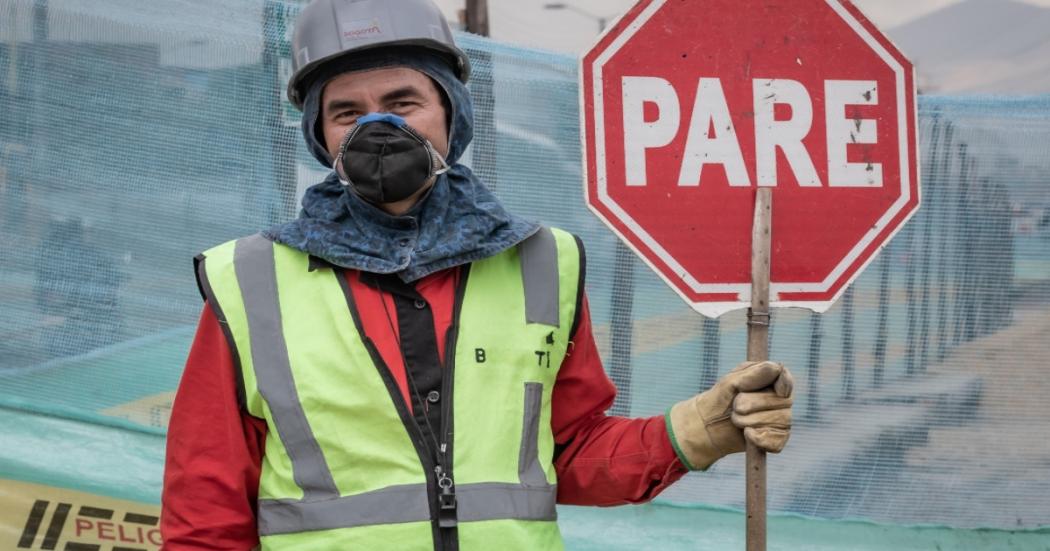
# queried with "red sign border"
point(714, 304)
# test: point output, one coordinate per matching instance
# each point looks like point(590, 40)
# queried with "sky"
point(527, 23)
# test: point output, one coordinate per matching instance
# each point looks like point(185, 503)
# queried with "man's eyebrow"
point(393, 95)
point(400, 93)
point(340, 104)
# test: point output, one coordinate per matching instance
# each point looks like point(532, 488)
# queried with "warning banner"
point(34, 516)
point(152, 411)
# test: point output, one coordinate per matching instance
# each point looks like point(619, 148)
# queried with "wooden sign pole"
point(758, 350)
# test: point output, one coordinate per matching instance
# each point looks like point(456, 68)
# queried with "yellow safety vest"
point(345, 466)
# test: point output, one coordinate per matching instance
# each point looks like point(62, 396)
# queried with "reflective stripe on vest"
point(409, 503)
point(539, 274)
point(257, 277)
point(322, 507)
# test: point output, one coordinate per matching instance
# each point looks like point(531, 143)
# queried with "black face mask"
point(384, 160)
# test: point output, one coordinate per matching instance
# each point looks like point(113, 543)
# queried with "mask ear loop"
point(443, 166)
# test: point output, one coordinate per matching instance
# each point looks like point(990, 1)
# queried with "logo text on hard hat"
point(362, 28)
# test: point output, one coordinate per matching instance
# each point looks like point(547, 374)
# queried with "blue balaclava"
point(457, 222)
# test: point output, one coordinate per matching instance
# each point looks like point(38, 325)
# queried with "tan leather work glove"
point(752, 401)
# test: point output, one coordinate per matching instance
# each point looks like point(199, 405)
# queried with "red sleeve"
point(211, 474)
point(604, 460)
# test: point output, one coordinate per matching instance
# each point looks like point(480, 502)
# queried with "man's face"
point(401, 91)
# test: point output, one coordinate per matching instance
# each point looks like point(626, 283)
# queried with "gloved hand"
point(752, 401)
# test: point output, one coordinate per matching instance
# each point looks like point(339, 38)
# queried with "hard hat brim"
point(300, 82)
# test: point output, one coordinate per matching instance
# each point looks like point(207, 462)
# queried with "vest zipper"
point(447, 505)
point(446, 499)
point(447, 517)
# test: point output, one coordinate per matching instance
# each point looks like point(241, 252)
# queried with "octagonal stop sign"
point(688, 106)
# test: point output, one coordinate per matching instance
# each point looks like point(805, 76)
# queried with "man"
point(407, 365)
